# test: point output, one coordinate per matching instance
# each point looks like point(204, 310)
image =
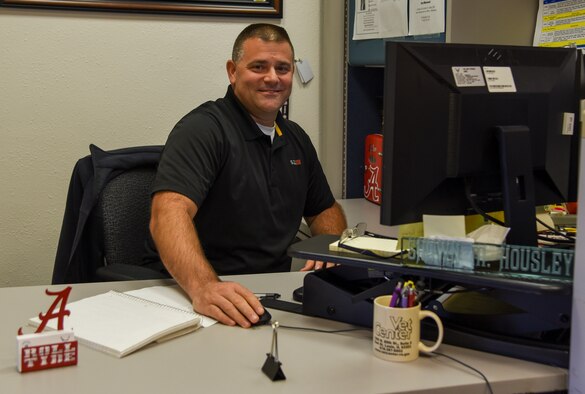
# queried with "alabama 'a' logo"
point(372, 188)
point(56, 310)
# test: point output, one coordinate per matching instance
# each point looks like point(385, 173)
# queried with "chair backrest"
point(124, 208)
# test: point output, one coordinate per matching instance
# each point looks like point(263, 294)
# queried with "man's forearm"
point(330, 221)
point(179, 248)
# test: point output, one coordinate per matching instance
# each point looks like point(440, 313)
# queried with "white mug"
point(396, 331)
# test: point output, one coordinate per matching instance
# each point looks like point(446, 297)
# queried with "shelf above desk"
point(541, 307)
point(317, 248)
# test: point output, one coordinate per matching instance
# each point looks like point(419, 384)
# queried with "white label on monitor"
point(467, 76)
point(568, 123)
point(499, 79)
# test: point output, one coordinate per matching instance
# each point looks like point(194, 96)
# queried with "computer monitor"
point(471, 128)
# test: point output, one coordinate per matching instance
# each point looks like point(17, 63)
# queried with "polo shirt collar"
point(253, 132)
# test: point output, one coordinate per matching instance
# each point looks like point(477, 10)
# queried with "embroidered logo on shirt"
point(296, 162)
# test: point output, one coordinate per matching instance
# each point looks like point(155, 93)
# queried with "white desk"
point(222, 359)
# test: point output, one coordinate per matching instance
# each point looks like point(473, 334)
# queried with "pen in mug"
point(411, 298)
point(395, 295)
point(404, 299)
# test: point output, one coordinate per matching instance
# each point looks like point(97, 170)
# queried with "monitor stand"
point(517, 184)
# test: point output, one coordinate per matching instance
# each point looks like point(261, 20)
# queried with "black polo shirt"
point(251, 194)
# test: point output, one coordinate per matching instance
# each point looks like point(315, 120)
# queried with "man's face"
point(262, 78)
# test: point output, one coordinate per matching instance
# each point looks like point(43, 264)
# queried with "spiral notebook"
point(119, 323)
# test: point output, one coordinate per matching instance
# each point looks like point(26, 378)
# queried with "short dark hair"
point(263, 31)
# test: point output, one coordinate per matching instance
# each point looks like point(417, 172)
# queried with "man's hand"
point(228, 302)
point(316, 265)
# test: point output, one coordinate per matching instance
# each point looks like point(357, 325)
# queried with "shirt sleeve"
point(192, 157)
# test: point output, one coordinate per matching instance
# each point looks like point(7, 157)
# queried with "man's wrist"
point(197, 282)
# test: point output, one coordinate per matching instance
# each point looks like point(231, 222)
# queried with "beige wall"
point(332, 88)
point(68, 79)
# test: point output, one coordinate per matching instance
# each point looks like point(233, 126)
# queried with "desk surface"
point(228, 359)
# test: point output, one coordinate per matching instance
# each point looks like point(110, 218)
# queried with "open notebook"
point(121, 323)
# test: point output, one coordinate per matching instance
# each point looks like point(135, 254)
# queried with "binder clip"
point(272, 367)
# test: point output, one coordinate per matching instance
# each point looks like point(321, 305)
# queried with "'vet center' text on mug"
point(399, 329)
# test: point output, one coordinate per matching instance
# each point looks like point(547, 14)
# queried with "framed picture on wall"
point(249, 8)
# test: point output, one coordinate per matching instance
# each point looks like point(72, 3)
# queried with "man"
point(234, 180)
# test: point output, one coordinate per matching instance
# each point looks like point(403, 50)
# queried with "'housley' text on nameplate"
point(511, 259)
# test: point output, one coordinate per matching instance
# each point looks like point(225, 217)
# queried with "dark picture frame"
point(241, 8)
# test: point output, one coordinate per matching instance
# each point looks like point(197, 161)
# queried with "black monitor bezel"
point(402, 196)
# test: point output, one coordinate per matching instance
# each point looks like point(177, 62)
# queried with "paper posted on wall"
point(397, 18)
point(560, 23)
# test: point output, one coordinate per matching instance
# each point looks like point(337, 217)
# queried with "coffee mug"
point(397, 331)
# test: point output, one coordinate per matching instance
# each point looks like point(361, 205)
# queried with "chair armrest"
point(118, 272)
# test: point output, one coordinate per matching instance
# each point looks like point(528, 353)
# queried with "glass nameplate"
point(508, 261)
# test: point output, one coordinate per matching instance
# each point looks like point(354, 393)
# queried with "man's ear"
point(230, 67)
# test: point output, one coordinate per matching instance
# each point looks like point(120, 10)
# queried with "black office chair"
point(122, 215)
point(105, 225)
